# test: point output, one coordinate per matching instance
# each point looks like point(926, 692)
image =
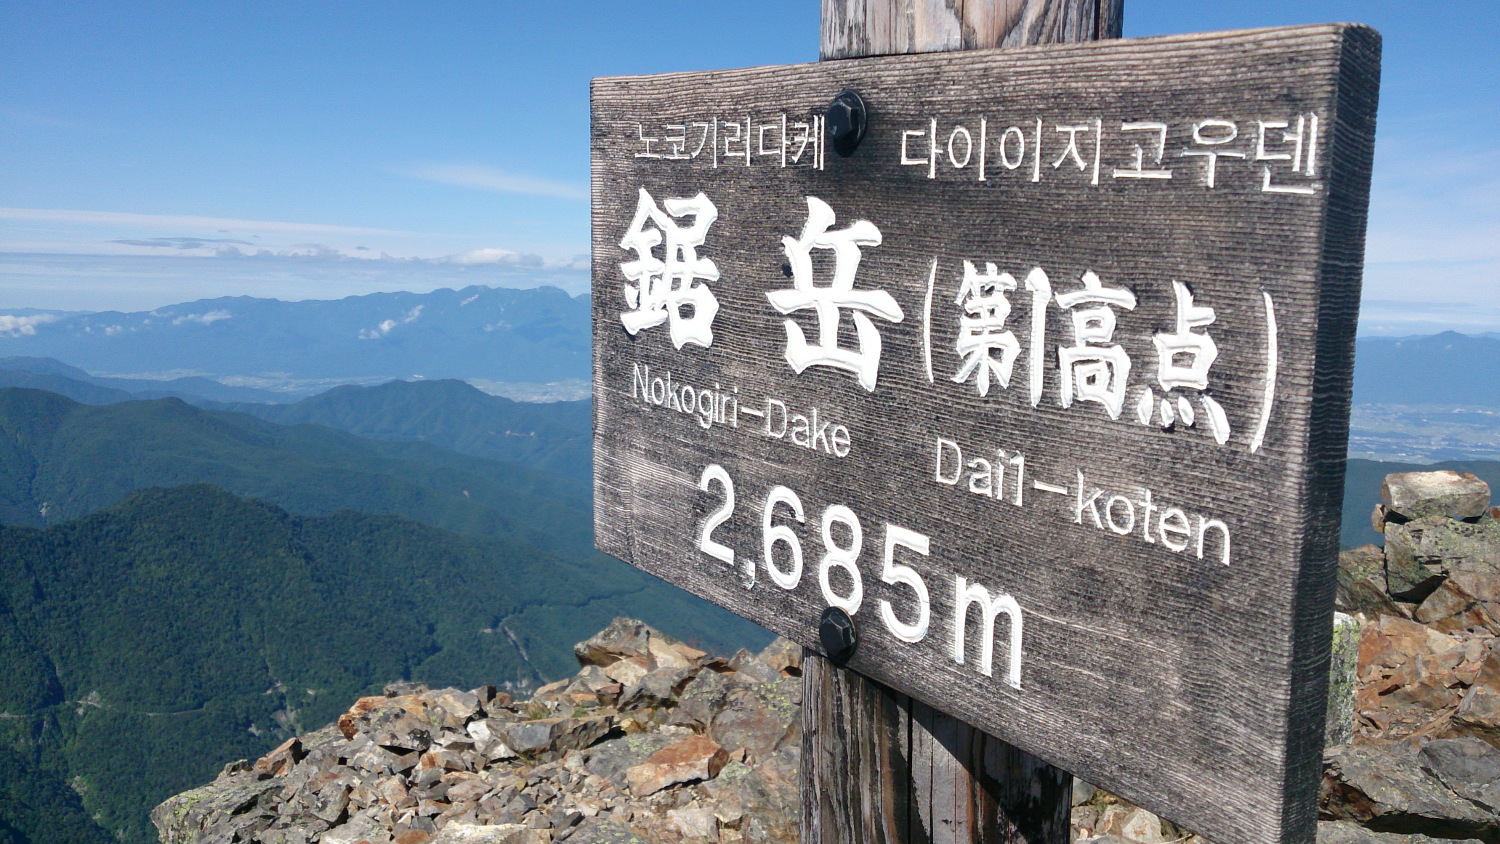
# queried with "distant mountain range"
point(295, 349)
point(554, 437)
point(551, 436)
point(58, 377)
point(244, 349)
point(1439, 369)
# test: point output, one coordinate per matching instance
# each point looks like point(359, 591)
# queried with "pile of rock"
point(1429, 657)
point(652, 741)
point(1425, 754)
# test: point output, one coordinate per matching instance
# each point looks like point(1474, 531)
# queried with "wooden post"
point(877, 766)
point(881, 768)
point(855, 28)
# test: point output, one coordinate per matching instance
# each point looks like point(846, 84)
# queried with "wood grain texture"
point(859, 28)
point(991, 792)
point(1191, 687)
point(858, 732)
point(896, 771)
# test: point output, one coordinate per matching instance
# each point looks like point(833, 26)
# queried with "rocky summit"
point(655, 742)
point(652, 741)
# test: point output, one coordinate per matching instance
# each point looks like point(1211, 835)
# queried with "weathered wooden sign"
point(1045, 384)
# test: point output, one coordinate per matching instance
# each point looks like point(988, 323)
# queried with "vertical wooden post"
point(877, 766)
point(855, 28)
point(881, 768)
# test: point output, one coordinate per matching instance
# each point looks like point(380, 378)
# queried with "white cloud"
point(378, 331)
point(488, 256)
point(203, 319)
point(15, 326)
point(480, 177)
point(177, 221)
point(492, 257)
point(386, 326)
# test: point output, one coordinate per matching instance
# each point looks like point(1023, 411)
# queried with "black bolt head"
point(846, 122)
point(836, 632)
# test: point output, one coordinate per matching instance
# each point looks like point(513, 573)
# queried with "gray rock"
point(784, 656)
point(579, 733)
point(701, 698)
point(463, 833)
point(458, 706)
point(771, 797)
point(624, 638)
point(749, 667)
point(1416, 495)
point(373, 758)
point(612, 758)
point(186, 818)
point(361, 827)
point(532, 736)
point(330, 802)
point(1390, 789)
point(1344, 832)
point(1361, 584)
point(1469, 599)
point(1421, 553)
point(1478, 713)
point(757, 718)
point(599, 831)
point(656, 689)
point(326, 745)
point(590, 679)
point(1469, 768)
point(1407, 578)
point(396, 729)
point(486, 730)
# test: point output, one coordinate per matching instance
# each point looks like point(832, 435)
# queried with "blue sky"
point(153, 153)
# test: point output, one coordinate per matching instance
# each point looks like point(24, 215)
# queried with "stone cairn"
point(654, 742)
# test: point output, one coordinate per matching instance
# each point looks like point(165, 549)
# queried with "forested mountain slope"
point(61, 460)
point(52, 374)
point(189, 625)
point(555, 437)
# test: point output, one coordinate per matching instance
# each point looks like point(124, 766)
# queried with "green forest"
point(181, 587)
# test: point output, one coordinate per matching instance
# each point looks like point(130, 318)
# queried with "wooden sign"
point(1045, 384)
